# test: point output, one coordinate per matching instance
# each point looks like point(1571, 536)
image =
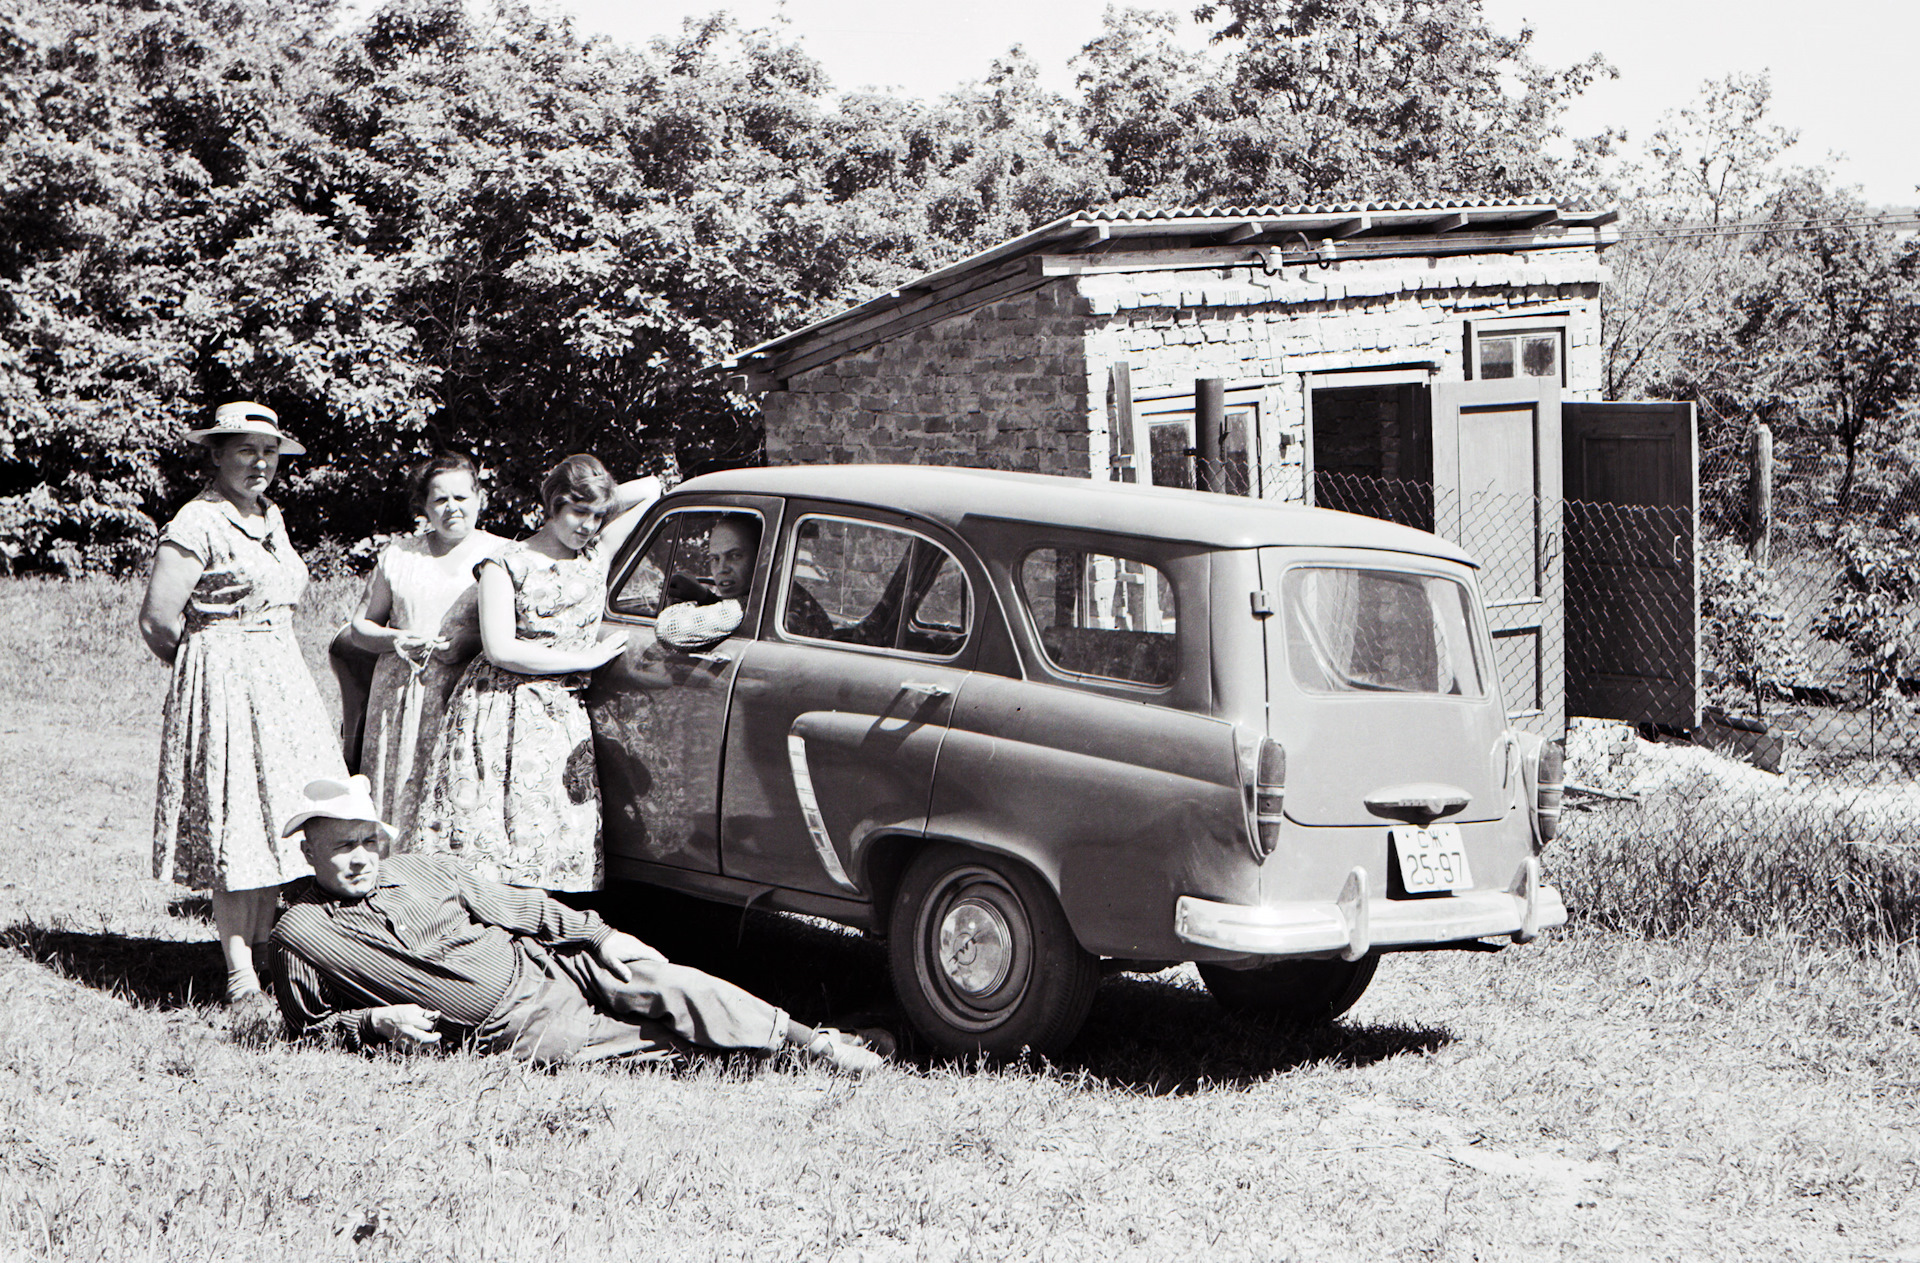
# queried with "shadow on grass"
point(191, 908)
point(151, 973)
point(1144, 1033)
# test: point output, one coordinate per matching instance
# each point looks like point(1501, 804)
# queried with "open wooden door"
point(1633, 598)
point(1496, 491)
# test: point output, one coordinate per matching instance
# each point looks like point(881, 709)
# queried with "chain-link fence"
point(1742, 722)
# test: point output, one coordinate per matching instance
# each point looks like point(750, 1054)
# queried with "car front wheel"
point(1299, 991)
point(982, 958)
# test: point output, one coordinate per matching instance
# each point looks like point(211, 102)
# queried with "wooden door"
point(1633, 597)
point(1496, 491)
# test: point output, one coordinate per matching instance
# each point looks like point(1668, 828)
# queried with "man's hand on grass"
point(620, 947)
point(406, 1024)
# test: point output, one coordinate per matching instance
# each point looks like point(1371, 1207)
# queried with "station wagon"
point(1026, 728)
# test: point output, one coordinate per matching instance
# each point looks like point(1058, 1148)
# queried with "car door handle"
point(926, 690)
point(718, 659)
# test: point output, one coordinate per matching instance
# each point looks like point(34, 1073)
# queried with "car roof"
point(950, 495)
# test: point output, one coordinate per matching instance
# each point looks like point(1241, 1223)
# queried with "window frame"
point(1518, 326)
point(1017, 573)
point(629, 562)
point(1479, 636)
point(784, 580)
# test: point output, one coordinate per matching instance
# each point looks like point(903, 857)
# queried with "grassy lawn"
point(1597, 1096)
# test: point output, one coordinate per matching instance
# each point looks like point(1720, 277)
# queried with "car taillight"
point(1550, 781)
point(1263, 776)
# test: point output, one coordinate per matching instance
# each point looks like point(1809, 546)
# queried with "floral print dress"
point(513, 794)
point(244, 728)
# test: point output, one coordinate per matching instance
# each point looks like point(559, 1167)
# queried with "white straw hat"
point(331, 798)
point(246, 417)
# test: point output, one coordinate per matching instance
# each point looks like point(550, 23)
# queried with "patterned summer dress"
point(244, 728)
point(513, 793)
point(405, 702)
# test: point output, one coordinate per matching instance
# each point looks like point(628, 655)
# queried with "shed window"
point(1504, 349)
point(1100, 615)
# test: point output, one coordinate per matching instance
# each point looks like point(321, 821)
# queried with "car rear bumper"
point(1357, 923)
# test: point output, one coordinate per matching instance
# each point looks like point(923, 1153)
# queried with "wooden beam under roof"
point(1197, 257)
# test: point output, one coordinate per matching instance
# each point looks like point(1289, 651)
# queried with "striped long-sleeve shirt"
point(431, 934)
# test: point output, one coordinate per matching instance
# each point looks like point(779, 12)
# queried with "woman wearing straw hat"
point(244, 728)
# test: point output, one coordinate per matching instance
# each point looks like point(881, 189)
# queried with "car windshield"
point(1351, 630)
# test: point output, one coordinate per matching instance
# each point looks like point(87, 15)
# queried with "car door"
point(840, 708)
point(660, 713)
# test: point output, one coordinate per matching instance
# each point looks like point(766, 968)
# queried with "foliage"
point(1871, 612)
point(1765, 296)
point(1317, 100)
point(442, 226)
point(1834, 323)
point(1746, 646)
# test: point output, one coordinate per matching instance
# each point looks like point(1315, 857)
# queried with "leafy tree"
point(1331, 100)
point(1707, 169)
point(1834, 323)
point(171, 265)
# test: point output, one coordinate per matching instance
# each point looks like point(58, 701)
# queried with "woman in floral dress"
point(422, 618)
point(513, 793)
point(244, 728)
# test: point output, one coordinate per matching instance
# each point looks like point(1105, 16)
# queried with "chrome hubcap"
point(976, 947)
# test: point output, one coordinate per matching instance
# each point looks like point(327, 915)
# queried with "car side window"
point(678, 561)
point(859, 583)
point(1101, 615)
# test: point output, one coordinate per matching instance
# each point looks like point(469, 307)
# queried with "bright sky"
point(1842, 70)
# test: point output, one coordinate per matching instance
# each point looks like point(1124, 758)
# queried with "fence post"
point(1760, 496)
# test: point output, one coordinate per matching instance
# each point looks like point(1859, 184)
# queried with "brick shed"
point(1434, 364)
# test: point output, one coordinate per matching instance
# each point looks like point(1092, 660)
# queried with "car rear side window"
point(676, 563)
point(1101, 615)
point(1380, 631)
point(860, 583)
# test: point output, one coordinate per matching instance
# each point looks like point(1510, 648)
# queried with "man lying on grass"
point(407, 949)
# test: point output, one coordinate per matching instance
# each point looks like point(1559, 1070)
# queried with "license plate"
point(1431, 859)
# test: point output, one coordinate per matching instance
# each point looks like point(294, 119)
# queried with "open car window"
point(1101, 615)
point(673, 565)
point(860, 583)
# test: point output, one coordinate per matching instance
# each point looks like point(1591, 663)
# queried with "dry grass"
point(1595, 1097)
point(1709, 844)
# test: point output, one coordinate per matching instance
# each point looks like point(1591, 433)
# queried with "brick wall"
point(1024, 383)
point(1001, 387)
point(1261, 332)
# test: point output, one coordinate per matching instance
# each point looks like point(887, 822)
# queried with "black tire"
point(1024, 982)
point(1301, 992)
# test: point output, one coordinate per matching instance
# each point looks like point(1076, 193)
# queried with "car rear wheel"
point(982, 957)
point(1297, 991)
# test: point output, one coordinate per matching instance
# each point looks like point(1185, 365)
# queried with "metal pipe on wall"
point(1209, 429)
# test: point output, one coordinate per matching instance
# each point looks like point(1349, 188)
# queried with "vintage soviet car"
point(1017, 724)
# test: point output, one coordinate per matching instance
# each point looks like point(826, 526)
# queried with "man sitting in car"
point(412, 948)
point(701, 615)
